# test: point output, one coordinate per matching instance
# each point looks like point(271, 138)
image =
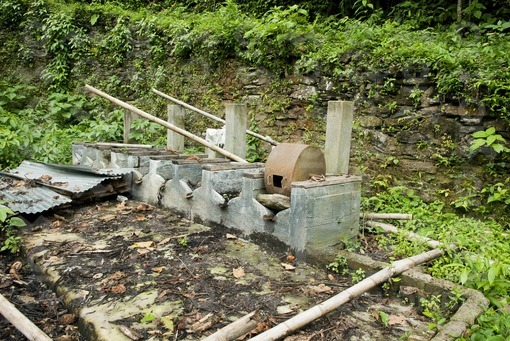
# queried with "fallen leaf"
point(164, 241)
point(45, 178)
point(288, 267)
point(56, 223)
point(331, 277)
point(117, 275)
point(118, 289)
point(83, 293)
point(129, 332)
point(396, 319)
point(67, 319)
point(140, 217)
point(144, 207)
point(26, 299)
point(107, 218)
point(321, 288)
point(146, 245)
point(167, 322)
point(143, 251)
point(231, 236)
point(290, 258)
point(54, 259)
point(58, 217)
point(284, 309)
point(97, 276)
point(158, 269)
point(238, 272)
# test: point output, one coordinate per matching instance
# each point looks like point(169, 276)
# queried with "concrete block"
point(324, 213)
point(245, 212)
point(149, 189)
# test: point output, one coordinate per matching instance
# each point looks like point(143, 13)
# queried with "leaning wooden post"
point(338, 137)
point(164, 124)
point(235, 128)
point(20, 321)
point(174, 140)
point(129, 117)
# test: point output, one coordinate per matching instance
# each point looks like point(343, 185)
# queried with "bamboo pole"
point(122, 145)
point(211, 116)
point(396, 216)
point(410, 235)
point(302, 319)
point(165, 124)
point(236, 329)
point(21, 322)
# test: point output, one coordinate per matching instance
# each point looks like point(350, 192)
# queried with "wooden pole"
point(345, 296)
point(21, 322)
point(217, 119)
point(165, 124)
point(236, 329)
point(396, 216)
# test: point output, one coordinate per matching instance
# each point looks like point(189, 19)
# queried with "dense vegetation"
point(49, 49)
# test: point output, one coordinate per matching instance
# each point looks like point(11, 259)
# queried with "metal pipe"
point(165, 124)
point(217, 119)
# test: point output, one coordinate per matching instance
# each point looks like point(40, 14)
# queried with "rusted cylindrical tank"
point(290, 162)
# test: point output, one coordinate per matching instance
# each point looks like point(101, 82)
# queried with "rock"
point(276, 202)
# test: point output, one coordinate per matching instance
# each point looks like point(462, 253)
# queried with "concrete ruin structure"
point(323, 212)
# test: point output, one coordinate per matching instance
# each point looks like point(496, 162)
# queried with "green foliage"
point(433, 309)
point(481, 260)
point(9, 239)
point(339, 265)
point(278, 38)
point(489, 138)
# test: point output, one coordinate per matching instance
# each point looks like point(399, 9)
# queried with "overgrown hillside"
point(431, 86)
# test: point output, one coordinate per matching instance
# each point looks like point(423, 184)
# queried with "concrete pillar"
point(129, 117)
point(174, 140)
point(338, 137)
point(235, 128)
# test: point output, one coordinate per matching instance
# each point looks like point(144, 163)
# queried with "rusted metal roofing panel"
point(21, 196)
point(35, 187)
point(73, 179)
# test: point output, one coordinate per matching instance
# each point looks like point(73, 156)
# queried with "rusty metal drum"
point(290, 162)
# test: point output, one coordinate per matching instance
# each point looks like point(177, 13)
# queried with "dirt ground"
point(208, 271)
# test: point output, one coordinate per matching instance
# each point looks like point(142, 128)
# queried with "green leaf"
point(464, 276)
point(384, 318)
point(168, 323)
point(480, 134)
point(477, 144)
point(490, 131)
point(15, 221)
point(93, 19)
point(493, 272)
point(491, 139)
point(498, 148)
point(148, 318)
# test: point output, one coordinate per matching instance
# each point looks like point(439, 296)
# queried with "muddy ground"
point(120, 249)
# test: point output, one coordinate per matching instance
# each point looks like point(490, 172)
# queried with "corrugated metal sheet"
point(20, 196)
point(73, 179)
point(35, 187)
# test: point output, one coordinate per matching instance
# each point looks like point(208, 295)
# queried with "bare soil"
point(195, 267)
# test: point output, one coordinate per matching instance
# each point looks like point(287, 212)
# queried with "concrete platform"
point(132, 268)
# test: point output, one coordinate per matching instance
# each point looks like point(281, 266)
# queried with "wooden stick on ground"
point(397, 216)
point(21, 322)
point(345, 296)
point(410, 235)
point(237, 328)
